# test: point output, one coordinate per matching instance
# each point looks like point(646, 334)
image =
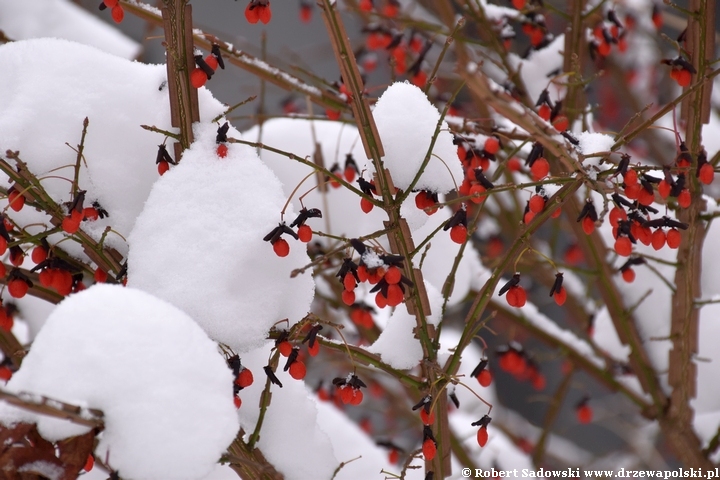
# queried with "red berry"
point(198, 78)
point(366, 5)
point(366, 205)
point(349, 282)
point(536, 204)
point(380, 300)
point(18, 288)
point(163, 167)
point(429, 449)
point(3, 245)
point(244, 378)
point(90, 462)
point(284, 348)
point(222, 150)
point(348, 297)
point(315, 349)
point(62, 282)
point(393, 275)
point(252, 15)
point(297, 369)
point(395, 295)
point(664, 189)
point(46, 277)
point(492, 145)
point(357, 396)
point(39, 254)
point(538, 382)
point(514, 165)
point(588, 225)
point(516, 296)
point(16, 200)
point(349, 174)
point(117, 13)
point(306, 16)
point(684, 198)
point(5, 373)
point(212, 61)
point(17, 256)
point(616, 215)
point(281, 247)
point(484, 378)
point(332, 114)
point(101, 275)
point(482, 436)
point(304, 233)
point(658, 239)
point(684, 77)
point(628, 275)
point(393, 456)
point(645, 198)
point(519, 5)
point(528, 217)
point(264, 13)
point(237, 401)
point(630, 177)
point(560, 296)
point(561, 123)
point(458, 233)
point(476, 192)
point(544, 112)
point(623, 246)
point(673, 238)
point(90, 213)
point(706, 174)
point(584, 414)
point(540, 168)
point(427, 418)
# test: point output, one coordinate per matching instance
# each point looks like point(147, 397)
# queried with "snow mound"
point(198, 244)
point(406, 121)
point(171, 421)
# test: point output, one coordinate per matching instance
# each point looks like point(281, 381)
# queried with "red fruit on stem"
point(628, 275)
point(212, 61)
point(658, 239)
point(706, 175)
point(305, 233)
point(492, 145)
point(244, 378)
point(349, 282)
point(90, 213)
point(561, 123)
point(357, 397)
point(684, 198)
point(101, 275)
point(348, 297)
point(117, 13)
point(366, 205)
point(539, 382)
point(393, 456)
point(70, 225)
point(349, 174)
point(623, 246)
point(5, 373)
point(560, 296)
point(3, 245)
point(673, 238)
point(616, 215)
point(18, 288)
point(305, 13)
point(630, 177)
point(429, 449)
point(198, 78)
point(476, 192)
point(516, 296)
point(380, 300)
point(395, 295)
point(39, 254)
point(366, 5)
point(222, 150)
point(540, 168)
point(264, 13)
point(584, 414)
point(281, 247)
point(514, 165)
point(16, 200)
point(252, 15)
point(484, 378)
point(237, 401)
point(536, 204)
point(298, 370)
point(588, 225)
point(332, 114)
point(544, 112)
point(284, 348)
point(458, 233)
point(427, 418)
point(163, 167)
point(684, 78)
point(90, 462)
point(315, 349)
point(664, 189)
point(482, 436)
point(393, 275)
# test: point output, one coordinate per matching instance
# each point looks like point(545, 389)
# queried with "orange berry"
point(305, 233)
point(617, 214)
point(658, 239)
point(458, 233)
point(348, 297)
point(484, 377)
point(297, 369)
point(332, 115)
point(673, 238)
point(198, 78)
point(429, 449)
point(366, 205)
point(516, 296)
point(645, 198)
point(540, 168)
point(628, 275)
point(281, 247)
point(706, 174)
point(46, 277)
point(630, 177)
point(393, 275)
point(475, 193)
point(588, 225)
point(62, 282)
point(244, 378)
point(536, 204)
point(492, 145)
point(514, 165)
point(18, 288)
point(528, 217)
point(284, 348)
point(623, 246)
point(560, 296)
point(395, 295)
point(117, 13)
point(70, 225)
point(362, 273)
point(482, 436)
point(684, 78)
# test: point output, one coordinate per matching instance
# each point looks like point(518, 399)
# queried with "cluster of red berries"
point(606, 34)
point(513, 359)
point(382, 271)
point(258, 11)
point(393, 41)
point(427, 416)
point(347, 389)
point(551, 112)
point(350, 171)
point(304, 233)
point(116, 10)
point(205, 67)
point(533, 25)
point(474, 158)
point(390, 8)
point(536, 204)
point(78, 213)
point(243, 377)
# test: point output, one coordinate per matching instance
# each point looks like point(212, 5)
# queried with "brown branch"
point(88, 417)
